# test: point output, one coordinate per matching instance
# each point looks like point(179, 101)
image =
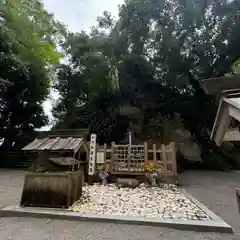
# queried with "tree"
point(28, 56)
point(185, 41)
point(158, 50)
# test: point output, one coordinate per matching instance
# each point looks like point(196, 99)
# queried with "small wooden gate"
point(126, 158)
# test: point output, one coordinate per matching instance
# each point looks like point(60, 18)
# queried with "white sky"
point(81, 14)
point(78, 15)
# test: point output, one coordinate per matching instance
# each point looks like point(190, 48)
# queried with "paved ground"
point(214, 189)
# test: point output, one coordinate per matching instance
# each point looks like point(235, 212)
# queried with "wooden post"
point(173, 159)
point(105, 153)
point(164, 161)
point(35, 162)
point(112, 156)
point(164, 157)
point(74, 156)
point(145, 152)
point(92, 159)
point(69, 190)
point(220, 128)
point(174, 162)
point(154, 155)
point(79, 158)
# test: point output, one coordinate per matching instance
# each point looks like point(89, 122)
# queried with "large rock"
point(127, 182)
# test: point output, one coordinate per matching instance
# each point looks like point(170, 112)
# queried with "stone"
point(141, 201)
point(127, 182)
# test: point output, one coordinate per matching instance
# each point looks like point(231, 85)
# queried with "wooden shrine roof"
point(54, 144)
point(229, 107)
point(219, 84)
point(63, 140)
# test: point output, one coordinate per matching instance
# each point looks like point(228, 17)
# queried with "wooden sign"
point(92, 156)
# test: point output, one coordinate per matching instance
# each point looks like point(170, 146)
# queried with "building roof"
point(63, 133)
point(219, 84)
point(229, 108)
point(228, 90)
point(55, 144)
point(58, 140)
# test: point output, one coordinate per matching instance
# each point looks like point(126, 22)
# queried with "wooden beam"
point(221, 123)
point(234, 112)
point(63, 133)
point(145, 152)
point(232, 135)
point(218, 84)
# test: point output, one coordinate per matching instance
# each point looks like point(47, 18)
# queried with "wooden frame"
point(219, 84)
point(165, 155)
point(227, 110)
point(227, 88)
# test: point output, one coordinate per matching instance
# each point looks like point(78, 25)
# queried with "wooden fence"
point(122, 159)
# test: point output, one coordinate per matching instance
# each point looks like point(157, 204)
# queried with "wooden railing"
point(165, 156)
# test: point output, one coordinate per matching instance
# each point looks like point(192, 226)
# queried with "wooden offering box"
point(51, 189)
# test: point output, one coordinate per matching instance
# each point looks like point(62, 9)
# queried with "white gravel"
point(165, 202)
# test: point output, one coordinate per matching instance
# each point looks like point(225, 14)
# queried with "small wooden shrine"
point(127, 160)
point(67, 148)
point(226, 124)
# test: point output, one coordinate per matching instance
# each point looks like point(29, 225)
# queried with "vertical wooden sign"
point(92, 156)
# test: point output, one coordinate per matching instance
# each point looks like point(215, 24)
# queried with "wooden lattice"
point(128, 159)
point(120, 159)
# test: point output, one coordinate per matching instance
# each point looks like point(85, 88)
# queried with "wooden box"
point(52, 189)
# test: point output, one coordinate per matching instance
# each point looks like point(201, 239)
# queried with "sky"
point(77, 15)
point(80, 14)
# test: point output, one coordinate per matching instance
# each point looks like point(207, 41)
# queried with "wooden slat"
point(64, 133)
point(128, 173)
point(30, 145)
point(154, 155)
point(48, 144)
point(234, 112)
point(158, 150)
point(112, 155)
point(232, 135)
point(102, 150)
point(174, 159)
point(74, 144)
point(35, 144)
point(62, 142)
point(105, 151)
point(137, 146)
point(126, 146)
point(164, 157)
point(64, 161)
point(221, 123)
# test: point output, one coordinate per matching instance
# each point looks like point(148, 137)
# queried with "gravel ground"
point(214, 189)
point(166, 202)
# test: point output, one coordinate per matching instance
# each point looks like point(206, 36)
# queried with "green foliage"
point(146, 66)
point(28, 56)
point(131, 74)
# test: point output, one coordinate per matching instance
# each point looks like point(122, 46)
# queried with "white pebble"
point(163, 202)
